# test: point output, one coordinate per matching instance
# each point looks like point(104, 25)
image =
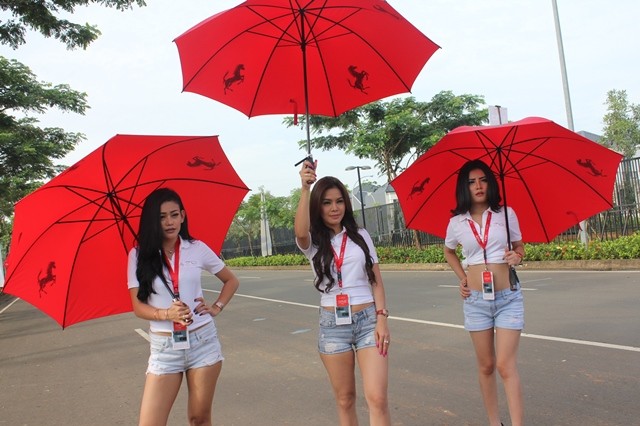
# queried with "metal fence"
point(386, 225)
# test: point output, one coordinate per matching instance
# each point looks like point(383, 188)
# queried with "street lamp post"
point(358, 168)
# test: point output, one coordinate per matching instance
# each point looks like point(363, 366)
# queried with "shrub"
point(622, 248)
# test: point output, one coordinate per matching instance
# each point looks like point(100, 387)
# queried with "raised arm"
point(302, 223)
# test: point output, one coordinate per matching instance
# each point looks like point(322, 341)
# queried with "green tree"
point(394, 133)
point(622, 133)
point(42, 16)
point(27, 151)
point(621, 123)
point(245, 227)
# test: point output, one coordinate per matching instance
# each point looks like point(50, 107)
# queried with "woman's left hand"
point(383, 337)
point(512, 257)
point(202, 308)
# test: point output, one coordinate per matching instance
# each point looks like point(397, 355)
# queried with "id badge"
point(487, 285)
point(180, 336)
point(343, 309)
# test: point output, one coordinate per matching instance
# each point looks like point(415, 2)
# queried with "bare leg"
point(486, 360)
point(507, 343)
point(202, 385)
point(375, 379)
point(342, 376)
point(158, 397)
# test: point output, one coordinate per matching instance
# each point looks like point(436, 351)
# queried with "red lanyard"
point(481, 243)
point(174, 272)
point(339, 260)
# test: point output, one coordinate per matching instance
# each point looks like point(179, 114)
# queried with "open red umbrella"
point(71, 237)
point(320, 57)
point(553, 177)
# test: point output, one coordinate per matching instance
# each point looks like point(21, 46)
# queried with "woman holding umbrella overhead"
point(353, 314)
point(491, 303)
point(164, 276)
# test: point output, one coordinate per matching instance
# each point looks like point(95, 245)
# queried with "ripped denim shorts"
point(336, 339)
point(506, 311)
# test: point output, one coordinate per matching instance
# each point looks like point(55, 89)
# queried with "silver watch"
point(219, 304)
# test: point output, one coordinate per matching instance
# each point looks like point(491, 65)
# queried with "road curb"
point(553, 265)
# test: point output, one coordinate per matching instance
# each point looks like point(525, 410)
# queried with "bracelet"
point(155, 314)
point(219, 304)
point(383, 312)
point(521, 255)
point(166, 314)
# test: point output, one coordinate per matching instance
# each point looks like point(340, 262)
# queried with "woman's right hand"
point(464, 288)
point(308, 173)
point(180, 312)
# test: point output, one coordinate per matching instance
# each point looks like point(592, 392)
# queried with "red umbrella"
point(320, 57)
point(553, 178)
point(71, 237)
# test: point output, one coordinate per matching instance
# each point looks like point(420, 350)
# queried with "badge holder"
point(343, 309)
point(487, 285)
point(180, 335)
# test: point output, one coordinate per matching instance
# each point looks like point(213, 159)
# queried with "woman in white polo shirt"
point(353, 314)
point(164, 276)
point(490, 301)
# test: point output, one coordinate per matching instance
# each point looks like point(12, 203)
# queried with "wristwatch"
point(384, 312)
point(219, 304)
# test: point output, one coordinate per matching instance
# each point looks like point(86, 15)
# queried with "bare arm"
point(516, 254)
point(230, 284)
point(454, 262)
point(383, 336)
point(302, 224)
point(177, 312)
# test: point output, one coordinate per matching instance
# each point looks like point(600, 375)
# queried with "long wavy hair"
point(463, 195)
point(150, 238)
point(321, 235)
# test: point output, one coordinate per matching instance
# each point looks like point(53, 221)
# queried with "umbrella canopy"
point(71, 237)
point(553, 177)
point(320, 57)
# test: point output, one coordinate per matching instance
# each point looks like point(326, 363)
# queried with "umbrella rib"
point(348, 30)
point(437, 188)
point(231, 39)
point(542, 160)
point(283, 31)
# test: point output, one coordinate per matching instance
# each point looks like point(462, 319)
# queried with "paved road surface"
point(579, 359)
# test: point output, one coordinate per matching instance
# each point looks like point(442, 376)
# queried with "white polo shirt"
point(355, 281)
point(459, 232)
point(195, 256)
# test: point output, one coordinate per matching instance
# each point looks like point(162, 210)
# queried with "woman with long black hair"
point(164, 275)
point(493, 306)
point(353, 312)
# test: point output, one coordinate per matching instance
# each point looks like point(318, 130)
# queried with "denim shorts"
point(336, 339)
point(205, 350)
point(506, 311)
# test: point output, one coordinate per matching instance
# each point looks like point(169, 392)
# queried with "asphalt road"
point(579, 357)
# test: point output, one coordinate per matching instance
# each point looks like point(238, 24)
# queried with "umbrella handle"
point(307, 158)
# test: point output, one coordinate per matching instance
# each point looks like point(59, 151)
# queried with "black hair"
point(463, 196)
point(321, 235)
point(150, 237)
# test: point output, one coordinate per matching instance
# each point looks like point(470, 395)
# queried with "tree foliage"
point(27, 151)
point(245, 228)
point(621, 123)
point(43, 16)
point(395, 132)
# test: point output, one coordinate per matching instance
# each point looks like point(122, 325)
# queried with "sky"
point(505, 51)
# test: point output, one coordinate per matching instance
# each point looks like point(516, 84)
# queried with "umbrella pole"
point(504, 195)
point(303, 46)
